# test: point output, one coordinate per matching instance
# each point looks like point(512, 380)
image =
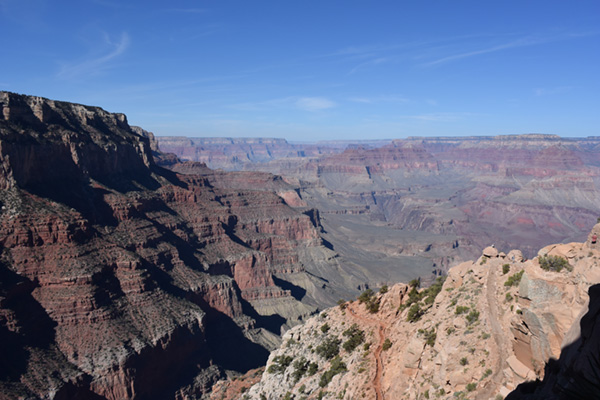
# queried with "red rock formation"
point(121, 279)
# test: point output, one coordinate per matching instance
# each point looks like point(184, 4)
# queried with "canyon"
point(135, 266)
point(123, 279)
point(412, 206)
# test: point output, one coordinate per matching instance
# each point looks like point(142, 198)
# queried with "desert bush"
point(430, 335)
point(337, 367)
point(505, 269)
point(280, 364)
point(313, 367)
point(365, 296)
point(370, 300)
point(472, 317)
point(514, 279)
point(386, 344)
point(329, 348)
point(325, 327)
point(461, 310)
point(471, 386)
point(355, 338)
point(464, 361)
point(414, 313)
point(384, 289)
point(554, 263)
point(300, 368)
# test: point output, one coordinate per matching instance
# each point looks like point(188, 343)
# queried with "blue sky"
point(309, 70)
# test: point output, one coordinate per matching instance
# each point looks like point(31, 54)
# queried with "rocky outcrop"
point(492, 325)
point(121, 279)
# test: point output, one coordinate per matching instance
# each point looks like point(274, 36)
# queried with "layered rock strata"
point(121, 279)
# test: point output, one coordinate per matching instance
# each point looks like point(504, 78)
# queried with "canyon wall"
point(122, 279)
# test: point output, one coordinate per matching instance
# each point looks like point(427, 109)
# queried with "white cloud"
point(96, 64)
point(314, 103)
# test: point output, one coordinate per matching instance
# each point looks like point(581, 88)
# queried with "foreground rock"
point(492, 325)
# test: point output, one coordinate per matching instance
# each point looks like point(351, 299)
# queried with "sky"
point(313, 70)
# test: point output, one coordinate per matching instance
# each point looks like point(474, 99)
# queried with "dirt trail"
point(378, 350)
point(497, 332)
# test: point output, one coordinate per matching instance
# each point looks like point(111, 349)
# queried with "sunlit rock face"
point(495, 325)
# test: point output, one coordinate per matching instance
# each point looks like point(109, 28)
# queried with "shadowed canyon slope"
point(122, 279)
point(436, 201)
point(491, 325)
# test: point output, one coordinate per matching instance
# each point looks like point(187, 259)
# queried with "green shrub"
point(300, 368)
point(329, 348)
point(280, 364)
point(370, 300)
point(461, 310)
point(471, 386)
point(472, 316)
point(337, 367)
point(505, 269)
point(355, 338)
point(487, 373)
point(313, 367)
point(384, 289)
point(464, 361)
point(450, 330)
point(430, 335)
point(554, 263)
point(415, 283)
point(288, 396)
point(508, 297)
point(414, 313)
point(342, 303)
point(365, 296)
point(386, 344)
point(514, 279)
point(373, 306)
point(325, 327)
point(432, 291)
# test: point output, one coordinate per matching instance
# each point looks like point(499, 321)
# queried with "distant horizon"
point(343, 69)
point(379, 139)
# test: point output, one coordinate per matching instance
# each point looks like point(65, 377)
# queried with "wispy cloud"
point(520, 42)
point(379, 99)
point(369, 63)
point(314, 103)
point(303, 103)
point(439, 117)
point(97, 63)
point(552, 91)
point(505, 46)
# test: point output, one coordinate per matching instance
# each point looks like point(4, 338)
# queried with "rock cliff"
point(490, 326)
point(122, 279)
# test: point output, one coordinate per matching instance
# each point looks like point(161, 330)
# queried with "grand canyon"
point(143, 267)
